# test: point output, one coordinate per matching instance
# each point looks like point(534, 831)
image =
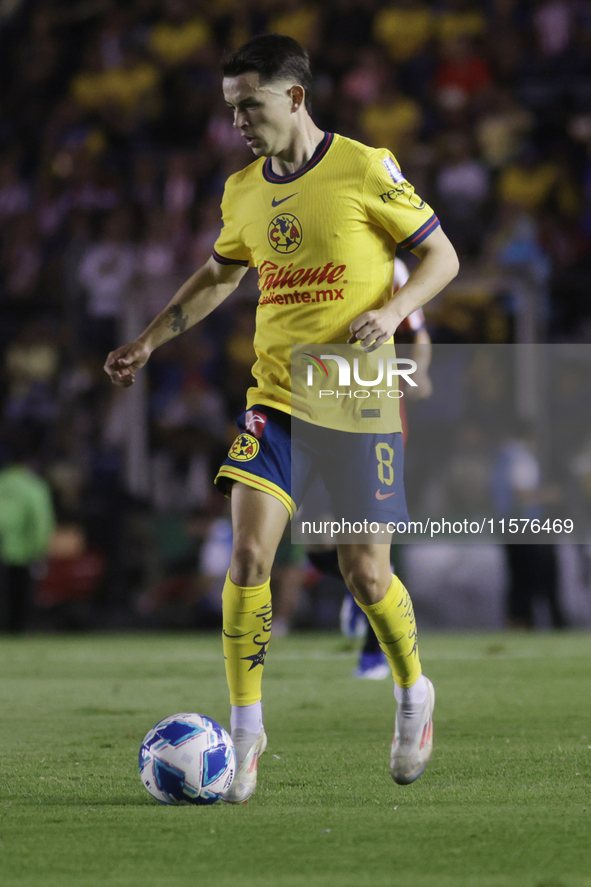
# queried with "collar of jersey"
point(316, 157)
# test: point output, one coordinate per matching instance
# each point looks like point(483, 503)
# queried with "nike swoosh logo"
point(380, 495)
point(277, 202)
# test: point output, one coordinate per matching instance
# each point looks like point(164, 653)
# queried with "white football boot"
point(413, 738)
point(249, 748)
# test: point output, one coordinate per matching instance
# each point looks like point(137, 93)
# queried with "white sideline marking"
point(328, 657)
point(324, 657)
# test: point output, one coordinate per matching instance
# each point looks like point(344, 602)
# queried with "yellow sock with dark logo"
point(393, 621)
point(246, 635)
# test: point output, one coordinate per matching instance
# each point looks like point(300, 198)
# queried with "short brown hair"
point(273, 57)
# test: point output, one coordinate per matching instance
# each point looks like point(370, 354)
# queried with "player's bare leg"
point(387, 604)
point(258, 522)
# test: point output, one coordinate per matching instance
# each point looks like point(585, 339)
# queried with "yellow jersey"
point(323, 240)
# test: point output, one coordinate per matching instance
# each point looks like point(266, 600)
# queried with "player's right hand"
point(123, 363)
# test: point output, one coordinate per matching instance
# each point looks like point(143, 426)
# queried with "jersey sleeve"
point(390, 202)
point(230, 248)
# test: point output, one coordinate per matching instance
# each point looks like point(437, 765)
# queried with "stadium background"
point(114, 147)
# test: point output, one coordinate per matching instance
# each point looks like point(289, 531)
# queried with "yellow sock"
point(393, 621)
point(246, 635)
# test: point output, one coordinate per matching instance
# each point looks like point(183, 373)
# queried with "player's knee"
point(250, 565)
point(364, 581)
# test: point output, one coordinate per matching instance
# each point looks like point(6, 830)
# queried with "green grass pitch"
point(505, 802)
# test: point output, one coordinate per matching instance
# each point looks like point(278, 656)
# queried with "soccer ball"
point(187, 759)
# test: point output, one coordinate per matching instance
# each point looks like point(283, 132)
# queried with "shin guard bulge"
point(246, 635)
point(393, 621)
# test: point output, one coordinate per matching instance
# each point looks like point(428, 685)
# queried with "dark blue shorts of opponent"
point(363, 473)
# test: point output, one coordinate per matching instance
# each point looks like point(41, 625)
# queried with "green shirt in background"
point(26, 516)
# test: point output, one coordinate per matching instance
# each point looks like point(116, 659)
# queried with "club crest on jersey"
point(255, 422)
point(285, 233)
point(244, 448)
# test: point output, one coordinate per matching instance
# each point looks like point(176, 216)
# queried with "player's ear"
point(298, 96)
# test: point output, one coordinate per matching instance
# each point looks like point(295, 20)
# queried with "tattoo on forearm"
point(177, 320)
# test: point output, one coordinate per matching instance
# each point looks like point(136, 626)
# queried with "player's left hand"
point(373, 328)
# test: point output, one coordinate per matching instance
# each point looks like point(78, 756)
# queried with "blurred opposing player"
point(319, 216)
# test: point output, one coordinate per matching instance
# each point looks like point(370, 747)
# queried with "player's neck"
point(301, 148)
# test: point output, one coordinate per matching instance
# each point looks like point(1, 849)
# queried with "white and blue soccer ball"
point(187, 759)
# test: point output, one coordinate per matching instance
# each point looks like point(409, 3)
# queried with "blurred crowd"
point(115, 144)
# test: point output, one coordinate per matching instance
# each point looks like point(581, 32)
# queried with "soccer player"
point(319, 216)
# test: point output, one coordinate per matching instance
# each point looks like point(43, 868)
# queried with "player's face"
point(263, 112)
